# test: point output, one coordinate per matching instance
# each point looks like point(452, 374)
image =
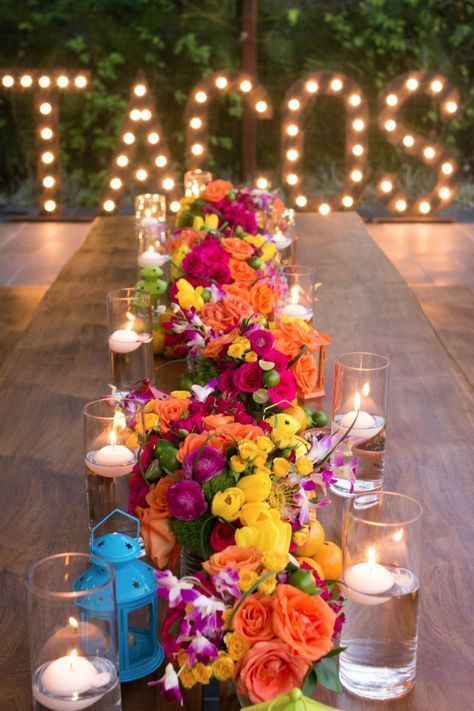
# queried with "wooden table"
point(61, 361)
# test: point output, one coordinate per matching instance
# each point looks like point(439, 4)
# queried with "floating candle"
point(365, 425)
point(111, 460)
point(366, 581)
point(295, 309)
point(151, 258)
point(124, 340)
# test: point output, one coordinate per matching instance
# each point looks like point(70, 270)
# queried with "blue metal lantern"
point(140, 652)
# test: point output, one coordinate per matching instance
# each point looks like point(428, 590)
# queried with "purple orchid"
point(226, 582)
point(201, 650)
point(169, 685)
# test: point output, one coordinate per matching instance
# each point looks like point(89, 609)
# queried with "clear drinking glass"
point(296, 287)
point(73, 635)
point(152, 231)
point(113, 430)
point(359, 411)
point(195, 182)
point(381, 564)
point(129, 318)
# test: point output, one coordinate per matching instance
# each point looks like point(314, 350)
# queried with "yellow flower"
point(256, 487)
point(260, 460)
point(265, 444)
point(275, 561)
point(177, 258)
point(227, 504)
point(251, 357)
point(268, 251)
point(198, 223)
point(188, 296)
point(132, 441)
point(226, 615)
point(304, 466)
point(262, 470)
point(267, 587)
point(237, 645)
point(238, 347)
point(248, 450)
point(285, 423)
point(201, 673)
point(187, 678)
point(247, 578)
point(212, 222)
point(255, 513)
point(269, 535)
point(256, 240)
point(237, 464)
point(181, 394)
point(223, 668)
point(150, 406)
point(281, 467)
point(281, 439)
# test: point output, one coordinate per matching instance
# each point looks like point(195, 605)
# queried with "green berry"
point(271, 378)
point(168, 459)
point(256, 263)
point(206, 294)
point(320, 419)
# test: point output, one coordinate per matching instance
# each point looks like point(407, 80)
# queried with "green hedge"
point(176, 43)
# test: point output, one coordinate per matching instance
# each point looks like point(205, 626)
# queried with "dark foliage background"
point(178, 42)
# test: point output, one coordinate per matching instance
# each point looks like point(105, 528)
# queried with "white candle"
point(111, 460)
point(150, 258)
point(366, 581)
point(365, 427)
point(69, 676)
point(124, 340)
point(297, 311)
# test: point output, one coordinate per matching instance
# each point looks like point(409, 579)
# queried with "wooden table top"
point(61, 362)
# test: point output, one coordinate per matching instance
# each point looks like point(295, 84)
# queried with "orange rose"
point(216, 190)
point(160, 543)
point(253, 619)
point(268, 670)
point(168, 410)
point(157, 497)
point(226, 313)
point(304, 622)
point(237, 307)
point(221, 439)
point(237, 247)
point(290, 336)
point(240, 290)
point(241, 271)
point(305, 371)
point(262, 298)
point(214, 422)
point(233, 557)
point(237, 431)
point(215, 346)
point(187, 237)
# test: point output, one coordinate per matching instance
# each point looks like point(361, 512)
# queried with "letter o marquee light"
point(141, 124)
point(299, 95)
point(196, 117)
point(414, 144)
point(45, 85)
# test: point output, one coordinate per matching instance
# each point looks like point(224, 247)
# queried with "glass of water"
point(381, 548)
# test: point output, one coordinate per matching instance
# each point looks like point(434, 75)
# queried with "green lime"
point(168, 459)
point(206, 294)
point(255, 263)
point(266, 364)
point(320, 419)
point(160, 447)
point(239, 232)
point(271, 378)
point(260, 396)
point(304, 581)
point(153, 472)
point(309, 413)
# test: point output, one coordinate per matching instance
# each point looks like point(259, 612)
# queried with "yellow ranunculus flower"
point(253, 514)
point(223, 668)
point(251, 357)
point(212, 221)
point(227, 504)
point(304, 466)
point(256, 240)
point(268, 251)
point(189, 297)
point(181, 394)
point(150, 406)
point(237, 645)
point(247, 578)
point(281, 467)
point(151, 420)
point(238, 347)
point(267, 587)
point(201, 673)
point(275, 561)
point(260, 460)
point(270, 535)
point(256, 487)
point(248, 450)
point(187, 678)
point(265, 444)
point(262, 470)
point(237, 464)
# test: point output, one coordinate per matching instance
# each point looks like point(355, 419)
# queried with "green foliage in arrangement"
point(178, 42)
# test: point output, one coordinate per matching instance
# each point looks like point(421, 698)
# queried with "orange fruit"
point(329, 557)
point(314, 541)
point(313, 564)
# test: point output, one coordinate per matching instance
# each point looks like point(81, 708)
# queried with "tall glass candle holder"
point(195, 182)
point(359, 415)
point(284, 236)
point(151, 230)
point(113, 428)
point(296, 293)
point(129, 317)
point(150, 208)
point(381, 568)
point(74, 661)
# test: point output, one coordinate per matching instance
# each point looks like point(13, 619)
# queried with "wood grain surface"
point(61, 361)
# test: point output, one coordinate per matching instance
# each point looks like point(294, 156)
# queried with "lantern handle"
point(122, 513)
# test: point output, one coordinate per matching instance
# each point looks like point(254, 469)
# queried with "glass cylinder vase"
point(359, 416)
point(152, 232)
point(381, 569)
point(129, 317)
point(113, 433)
point(296, 286)
point(72, 635)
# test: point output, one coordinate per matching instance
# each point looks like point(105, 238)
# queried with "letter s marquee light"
point(141, 122)
point(45, 84)
point(414, 144)
point(196, 116)
point(298, 96)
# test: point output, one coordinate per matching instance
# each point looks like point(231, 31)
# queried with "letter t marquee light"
point(45, 84)
point(141, 122)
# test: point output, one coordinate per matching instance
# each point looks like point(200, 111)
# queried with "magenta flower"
point(186, 500)
point(248, 377)
point(208, 261)
point(262, 342)
point(169, 685)
point(222, 536)
point(168, 640)
point(203, 464)
point(201, 650)
point(279, 359)
point(285, 391)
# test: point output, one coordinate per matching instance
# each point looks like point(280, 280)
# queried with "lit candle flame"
point(371, 556)
point(365, 389)
point(113, 438)
point(129, 326)
point(294, 293)
point(357, 402)
point(74, 623)
point(151, 249)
